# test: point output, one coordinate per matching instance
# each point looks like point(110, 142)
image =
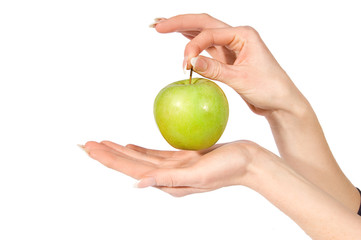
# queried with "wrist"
point(259, 162)
point(299, 111)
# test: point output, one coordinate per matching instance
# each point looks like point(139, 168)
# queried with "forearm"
point(316, 212)
point(301, 142)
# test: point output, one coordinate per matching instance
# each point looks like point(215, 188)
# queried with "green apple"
point(191, 114)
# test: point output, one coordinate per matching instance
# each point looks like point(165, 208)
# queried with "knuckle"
point(249, 31)
point(211, 21)
point(207, 33)
point(205, 15)
point(207, 36)
point(192, 47)
point(249, 28)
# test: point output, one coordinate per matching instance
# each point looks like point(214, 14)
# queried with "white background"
point(73, 71)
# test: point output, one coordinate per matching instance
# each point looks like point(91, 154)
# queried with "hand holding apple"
point(240, 59)
point(191, 114)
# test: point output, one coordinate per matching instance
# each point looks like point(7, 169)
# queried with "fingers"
point(233, 38)
point(175, 177)
point(151, 152)
point(117, 161)
point(213, 69)
point(132, 153)
point(136, 161)
point(188, 22)
point(190, 25)
point(183, 191)
point(92, 145)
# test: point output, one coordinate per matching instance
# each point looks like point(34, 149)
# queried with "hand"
point(178, 173)
point(185, 172)
point(240, 59)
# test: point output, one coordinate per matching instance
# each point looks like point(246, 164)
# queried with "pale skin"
point(306, 183)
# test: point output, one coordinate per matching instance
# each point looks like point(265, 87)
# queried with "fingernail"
point(145, 182)
point(185, 69)
point(152, 25)
point(194, 61)
point(83, 148)
point(160, 19)
point(156, 21)
point(199, 64)
point(185, 64)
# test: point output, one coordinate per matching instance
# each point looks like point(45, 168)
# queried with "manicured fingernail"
point(185, 69)
point(153, 25)
point(145, 182)
point(156, 21)
point(199, 64)
point(185, 64)
point(194, 61)
point(83, 148)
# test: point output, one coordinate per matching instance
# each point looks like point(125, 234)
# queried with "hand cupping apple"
point(191, 114)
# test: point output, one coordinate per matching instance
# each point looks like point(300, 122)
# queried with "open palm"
point(178, 173)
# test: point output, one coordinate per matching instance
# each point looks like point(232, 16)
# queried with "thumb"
point(166, 178)
point(213, 69)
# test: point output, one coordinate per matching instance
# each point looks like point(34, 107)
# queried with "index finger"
point(189, 22)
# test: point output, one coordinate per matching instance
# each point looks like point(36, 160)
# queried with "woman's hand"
point(178, 173)
point(240, 59)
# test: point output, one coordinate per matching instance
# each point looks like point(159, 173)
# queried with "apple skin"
point(191, 116)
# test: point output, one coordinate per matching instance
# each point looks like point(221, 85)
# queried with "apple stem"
point(190, 76)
